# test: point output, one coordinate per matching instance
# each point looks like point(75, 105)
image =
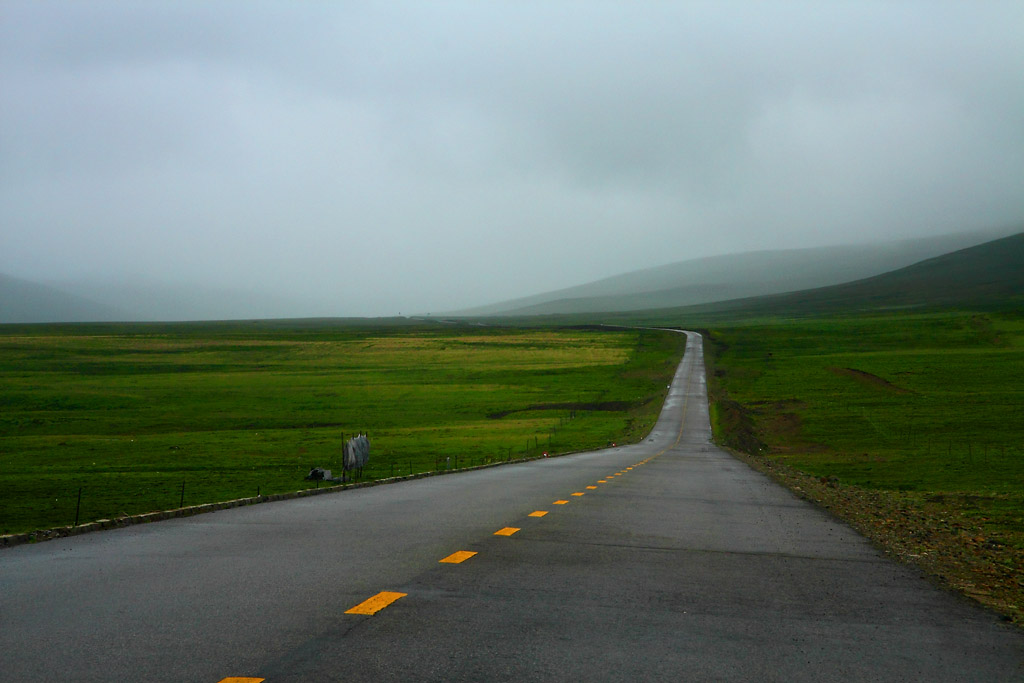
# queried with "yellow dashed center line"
point(384, 598)
point(376, 603)
point(457, 557)
point(237, 679)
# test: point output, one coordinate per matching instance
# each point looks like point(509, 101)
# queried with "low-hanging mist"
point(375, 159)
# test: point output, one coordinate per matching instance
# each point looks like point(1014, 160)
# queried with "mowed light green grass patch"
point(131, 413)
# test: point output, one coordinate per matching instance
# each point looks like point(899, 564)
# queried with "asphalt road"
point(677, 563)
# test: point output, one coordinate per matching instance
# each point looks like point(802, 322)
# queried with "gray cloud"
point(382, 157)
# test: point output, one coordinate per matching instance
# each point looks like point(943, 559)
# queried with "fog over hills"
point(734, 276)
point(22, 301)
point(700, 281)
point(151, 300)
point(134, 299)
point(989, 275)
point(374, 159)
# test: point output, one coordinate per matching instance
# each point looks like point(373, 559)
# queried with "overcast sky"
point(376, 158)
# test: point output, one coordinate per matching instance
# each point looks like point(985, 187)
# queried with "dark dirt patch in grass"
point(613, 406)
point(784, 423)
point(737, 427)
point(870, 380)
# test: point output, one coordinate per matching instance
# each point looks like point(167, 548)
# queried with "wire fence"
point(40, 503)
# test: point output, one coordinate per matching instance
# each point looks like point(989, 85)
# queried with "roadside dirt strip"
point(665, 560)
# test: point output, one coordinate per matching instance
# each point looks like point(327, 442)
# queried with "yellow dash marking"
point(237, 679)
point(591, 487)
point(628, 468)
point(578, 493)
point(538, 513)
point(561, 502)
point(376, 603)
point(602, 481)
point(507, 531)
point(460, 556)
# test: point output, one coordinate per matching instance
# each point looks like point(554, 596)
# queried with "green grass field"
point(932, 394)
point(134, 415)
point(926, 403)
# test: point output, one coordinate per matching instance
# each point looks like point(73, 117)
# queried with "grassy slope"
point(986, 276)
point(131, 412)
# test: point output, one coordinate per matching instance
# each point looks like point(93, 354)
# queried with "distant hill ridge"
point(986, 275)
point(733, 276)
point(970, 273)
point(135, 299)
point(23, 301)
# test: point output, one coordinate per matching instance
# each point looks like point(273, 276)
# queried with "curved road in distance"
point(678, 562)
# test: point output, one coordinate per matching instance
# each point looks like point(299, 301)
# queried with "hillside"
point(150, 300)
point(22, 301)
point(733, 276)
point(137, 299)
point(989, 275)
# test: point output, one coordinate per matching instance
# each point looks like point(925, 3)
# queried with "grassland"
point(909, 425)
point(145, 417)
